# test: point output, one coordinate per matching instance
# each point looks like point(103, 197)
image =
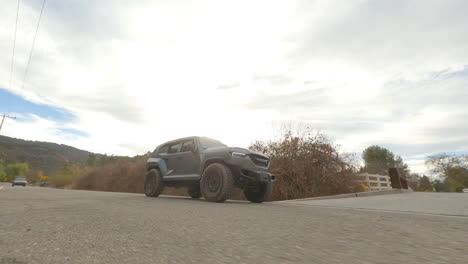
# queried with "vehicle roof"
point(181, 139)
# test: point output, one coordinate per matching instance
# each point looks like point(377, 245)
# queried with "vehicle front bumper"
point(248, 171)
point(257, 176)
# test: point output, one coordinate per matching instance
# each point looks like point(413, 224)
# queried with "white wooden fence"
point(374, 182)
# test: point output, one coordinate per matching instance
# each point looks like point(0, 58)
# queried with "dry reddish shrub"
point(124, 176)
point(306, 166)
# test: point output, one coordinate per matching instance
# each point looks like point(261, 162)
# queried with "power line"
point(14, 46)
point(3, 119)
point(34, 42)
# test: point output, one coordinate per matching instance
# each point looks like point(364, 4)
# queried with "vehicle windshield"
point(20, 179)
point(211, 143)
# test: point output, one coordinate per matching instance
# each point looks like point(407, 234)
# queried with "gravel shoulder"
point(42, 225)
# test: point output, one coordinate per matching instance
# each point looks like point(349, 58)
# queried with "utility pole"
point(3, 119)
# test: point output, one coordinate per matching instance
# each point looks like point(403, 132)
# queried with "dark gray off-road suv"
point(209, 168)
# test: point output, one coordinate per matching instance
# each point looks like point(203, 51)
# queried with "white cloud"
point(137, 74)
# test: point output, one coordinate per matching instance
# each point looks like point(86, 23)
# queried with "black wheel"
point(194, 191)
point(259, 193)
point(217, 183)
point(154, 184)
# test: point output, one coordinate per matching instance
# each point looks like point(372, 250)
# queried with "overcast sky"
point(120, 77)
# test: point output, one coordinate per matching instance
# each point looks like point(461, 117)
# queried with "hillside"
point(45, 156)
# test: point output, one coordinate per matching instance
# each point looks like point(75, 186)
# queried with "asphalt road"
point(42, 225)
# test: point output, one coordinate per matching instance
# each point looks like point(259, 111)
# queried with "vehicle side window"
point(187, 146)
point(174, 148)
point(163, 149)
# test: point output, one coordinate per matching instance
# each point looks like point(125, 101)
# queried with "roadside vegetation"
point(40, 156)
point(452, 171)
point(119, 176)
point(307, 164)
point(10, 171)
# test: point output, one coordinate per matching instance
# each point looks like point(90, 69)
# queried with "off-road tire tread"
point(227, 179)
point(155, 176)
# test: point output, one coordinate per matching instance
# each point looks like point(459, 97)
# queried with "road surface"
point(447, 204)
point(42, 225)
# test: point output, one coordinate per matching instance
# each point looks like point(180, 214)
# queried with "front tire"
point(217, 183)
point(154, 184)
point(259, 194)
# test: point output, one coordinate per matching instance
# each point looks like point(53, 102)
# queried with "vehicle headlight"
point(239, 154)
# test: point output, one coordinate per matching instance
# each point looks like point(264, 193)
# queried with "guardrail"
point(374, 182)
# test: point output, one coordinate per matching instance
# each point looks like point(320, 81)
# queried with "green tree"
point(458, 179)
point(16, 169)
point(378, 160)
point(453, 168)
point(441, 185)
point(2, 171)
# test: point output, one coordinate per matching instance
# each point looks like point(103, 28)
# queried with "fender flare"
point(157, 163)
point(211, 161)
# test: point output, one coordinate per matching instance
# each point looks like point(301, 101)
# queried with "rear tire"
point(154, 184)
point(217, 183)
point(259, 194)
point(194, 191)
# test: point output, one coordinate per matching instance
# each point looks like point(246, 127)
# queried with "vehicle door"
point(188, 159)
point(171, 158)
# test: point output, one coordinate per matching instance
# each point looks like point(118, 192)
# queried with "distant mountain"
point(45, 156)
